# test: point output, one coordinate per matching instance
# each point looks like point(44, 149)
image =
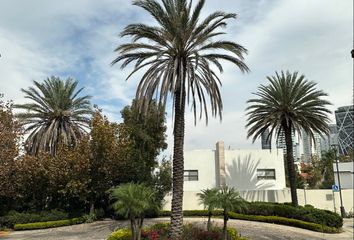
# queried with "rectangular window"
point(190, 175)
point(265, 174)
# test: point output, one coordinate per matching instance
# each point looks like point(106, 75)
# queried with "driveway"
point(253, 230)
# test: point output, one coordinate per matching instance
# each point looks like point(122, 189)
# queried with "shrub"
point(285, 221)
point(270, 215)
point(50, 224)
point(121, 234)
point(14, 217)
point(307, 213)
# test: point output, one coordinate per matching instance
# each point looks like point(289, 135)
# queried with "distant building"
point(307, 147)
point(346, 174)
point(345, 126)
point(280, 143)
point(266, 142)
point(314, 147)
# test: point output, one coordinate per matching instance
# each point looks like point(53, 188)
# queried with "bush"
point(307, 213)
point(121, 234)
point(159, 231)
point(14, 217)
point(285, 221)
point(308, 218)
point(50, 224)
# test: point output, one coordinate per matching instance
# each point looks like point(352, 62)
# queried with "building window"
point(265, 174)
point(190, 175)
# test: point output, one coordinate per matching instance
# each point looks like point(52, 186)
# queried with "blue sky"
point(77, 39)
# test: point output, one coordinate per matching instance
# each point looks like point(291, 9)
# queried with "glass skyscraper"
point(345, 127)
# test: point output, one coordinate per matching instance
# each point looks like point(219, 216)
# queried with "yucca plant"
point(177, 55)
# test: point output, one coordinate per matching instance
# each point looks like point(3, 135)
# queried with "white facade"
point(346, 174)
point(242, 169)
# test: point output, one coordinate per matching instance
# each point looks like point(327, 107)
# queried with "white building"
point(346, 174)
point(242, 169)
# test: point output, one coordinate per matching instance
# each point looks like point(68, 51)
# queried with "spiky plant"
point(133, 201)
point(288, 104)
point(209, 199)
point(177, 55)
point(56, 115)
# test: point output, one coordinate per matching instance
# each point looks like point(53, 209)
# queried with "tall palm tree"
point(209, 198)
point(57, 115)
point(177, 55)
point(288, 104)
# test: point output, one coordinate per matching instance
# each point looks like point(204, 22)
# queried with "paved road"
point(253, 230)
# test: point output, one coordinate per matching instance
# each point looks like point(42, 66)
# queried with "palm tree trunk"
point(92, 207)
point(209, 221)
point(291, 166)
point(134, 228)
point(178, 168)
point(225, 225)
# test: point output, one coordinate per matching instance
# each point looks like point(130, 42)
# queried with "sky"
point(76, 39)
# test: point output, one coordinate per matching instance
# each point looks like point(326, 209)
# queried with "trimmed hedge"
point(269, 219)
point(307, 213)
point(285, 221)
point(14, 217)
point(50, 224)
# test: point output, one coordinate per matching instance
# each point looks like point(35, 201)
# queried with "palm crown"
point(56, 115)
point(289, 101)
point(178, 54)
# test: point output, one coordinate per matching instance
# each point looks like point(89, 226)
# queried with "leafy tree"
point(326, 168)
point(229, 200)
point(349, 157)
point(311, 173)
point(33, 181)
point(209, 198)
point(104, 157)
point(10, 133)
point(133, 201)
point(56, 115)
point(146, 135)
point(289, 103)
point(162, 180)
point(177, 55)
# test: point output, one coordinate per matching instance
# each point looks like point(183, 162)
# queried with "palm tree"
point(228, 199)
point(209, 198)
point(133, 201)
point(57, 115)
point(177, 55)
point(288, 104)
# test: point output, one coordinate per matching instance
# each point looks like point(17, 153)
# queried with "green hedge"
point(50, 224)
point(270, 219)
point(307, 213)
point(285, 221)
point(14, 217)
